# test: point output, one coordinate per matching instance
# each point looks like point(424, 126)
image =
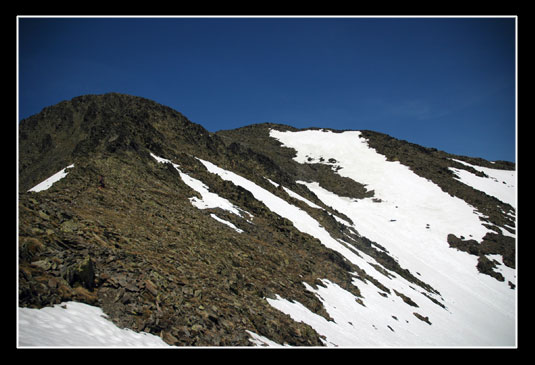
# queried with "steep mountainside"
point(264, 234)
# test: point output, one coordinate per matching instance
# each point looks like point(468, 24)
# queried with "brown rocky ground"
point(138, 249)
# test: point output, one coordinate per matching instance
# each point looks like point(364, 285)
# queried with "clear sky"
point(447, 83)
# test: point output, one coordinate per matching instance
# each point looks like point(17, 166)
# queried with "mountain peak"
point(104, 123)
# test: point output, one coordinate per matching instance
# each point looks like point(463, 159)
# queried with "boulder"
point(82, 273)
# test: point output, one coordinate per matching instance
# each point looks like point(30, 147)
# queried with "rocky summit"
point(262, 235)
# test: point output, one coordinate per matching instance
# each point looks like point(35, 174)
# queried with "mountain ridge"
point(123, 230)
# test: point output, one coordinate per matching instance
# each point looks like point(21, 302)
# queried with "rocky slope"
point(133, 228)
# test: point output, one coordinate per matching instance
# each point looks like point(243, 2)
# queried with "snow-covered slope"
point(411, 217)
point(500, 184)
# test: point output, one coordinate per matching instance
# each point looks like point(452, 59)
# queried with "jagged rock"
point(82, 272)
point(69, 226)
point(149, 285)
point(43, 264)
point(422, 318)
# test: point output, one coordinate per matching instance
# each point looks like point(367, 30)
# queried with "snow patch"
point(301, 220)
point(299, 197)
point(384, 321)
point(296, 196)
point(51, 180)
point(73, 324)
point(208, 199)
point(500, 184)
point(226, 223)
point(508, 273)
point(261, 340)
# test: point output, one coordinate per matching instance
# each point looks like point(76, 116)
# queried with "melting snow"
point(299, 197)
point(226, 223)
point(261, 340)
point(299, 217)
point(208, 199)
point(500, 184)
point(296, 196)
point(508, 273)
point(75, 324)
point(51, 180)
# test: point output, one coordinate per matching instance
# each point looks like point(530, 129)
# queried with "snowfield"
point(412, 222)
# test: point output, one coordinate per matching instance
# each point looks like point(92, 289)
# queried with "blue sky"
point(447, 83)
